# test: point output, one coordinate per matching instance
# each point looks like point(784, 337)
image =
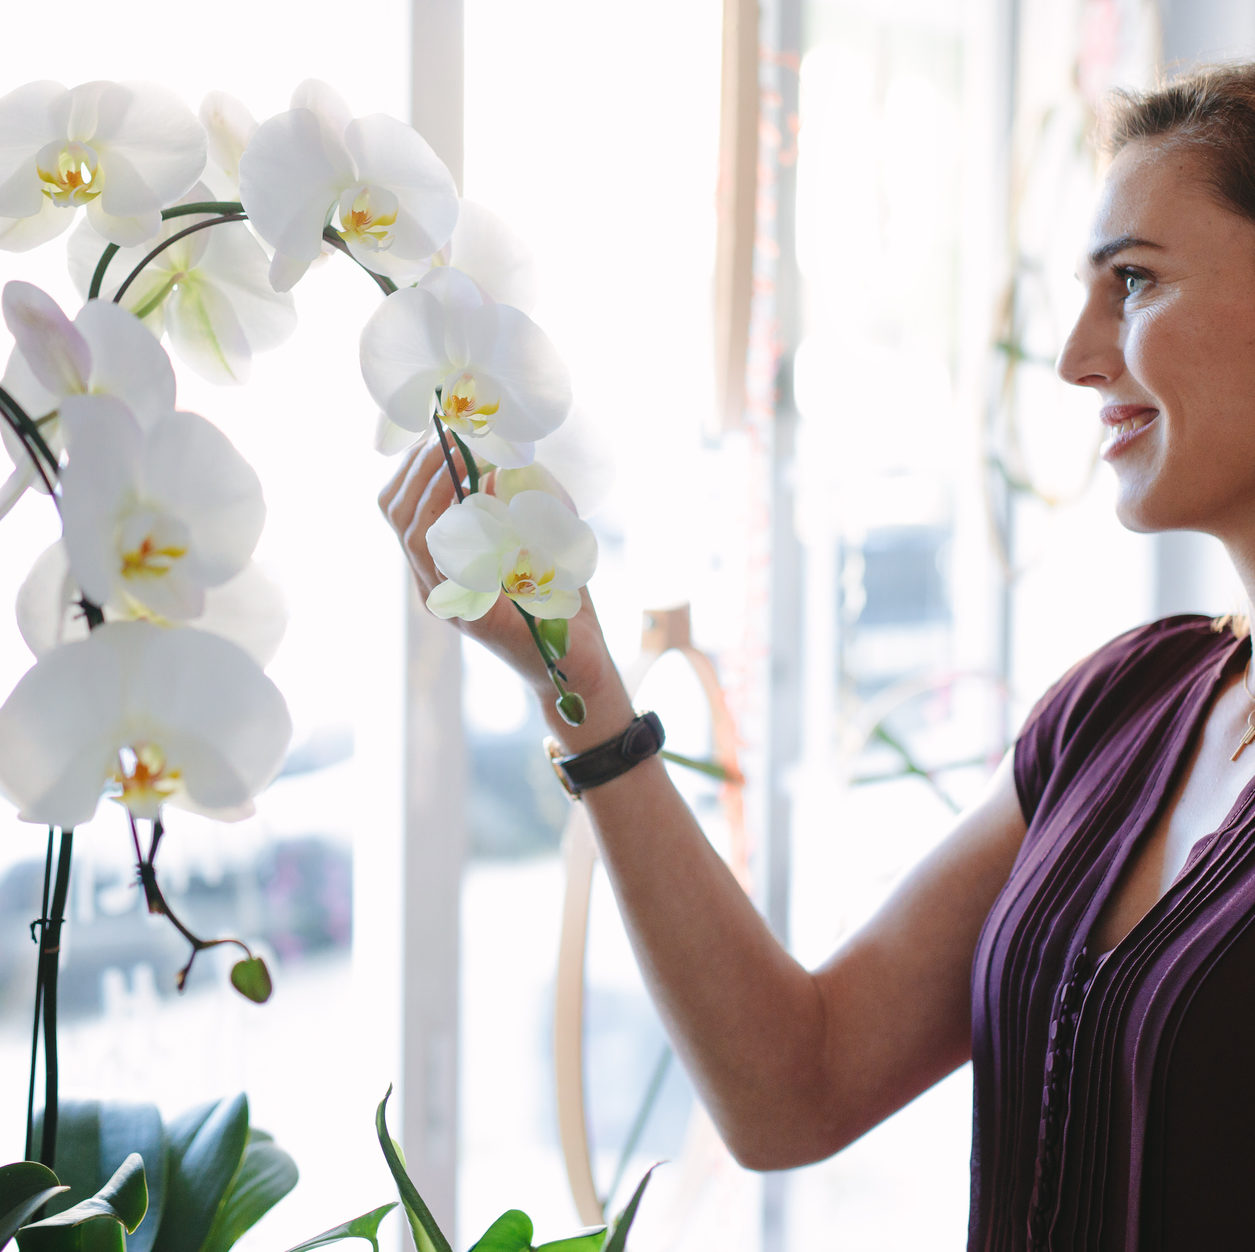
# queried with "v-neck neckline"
point(1108, 884)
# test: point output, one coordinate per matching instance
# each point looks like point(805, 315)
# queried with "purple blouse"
point(1115, 1096)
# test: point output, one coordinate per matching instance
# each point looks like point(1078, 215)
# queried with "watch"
point(579, 771)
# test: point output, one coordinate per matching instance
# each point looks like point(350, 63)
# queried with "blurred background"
point(809, 262)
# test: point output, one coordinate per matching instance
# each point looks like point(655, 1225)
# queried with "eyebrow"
point(1104, 252)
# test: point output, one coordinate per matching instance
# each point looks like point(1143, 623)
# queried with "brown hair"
point(1210, 110)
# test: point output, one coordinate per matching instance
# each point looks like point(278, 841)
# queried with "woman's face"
point(1166, 338)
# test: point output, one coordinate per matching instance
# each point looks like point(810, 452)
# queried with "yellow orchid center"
point(146, 779)
point(465, 410)
point(69, 173)
point(367, 217)
point(151, 545)
point(526, 579)
point(150, 559)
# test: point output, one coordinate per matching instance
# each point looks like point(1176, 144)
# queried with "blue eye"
point(1135, 282)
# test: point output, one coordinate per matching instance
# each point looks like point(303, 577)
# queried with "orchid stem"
point(448, 458)
point(178, 210)
point(332, 236)
point(158, 906)
point(32, 440)
point(168, 243)
point(46, 998)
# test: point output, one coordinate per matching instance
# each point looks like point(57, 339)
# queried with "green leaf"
point(206, 1148)
point(25, 1187)
point(99, 1223)
point(511, 1232)
point(556, 633)
point(94, 1137)
point(618, 1233)
point(266, 1174)
point(251, 979)
point(590, 1242)
point(364, 1227)
point(428, 1236)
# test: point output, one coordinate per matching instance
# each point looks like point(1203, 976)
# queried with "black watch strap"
point(581, 770)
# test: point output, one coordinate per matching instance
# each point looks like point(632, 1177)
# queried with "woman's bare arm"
point(792, 1064)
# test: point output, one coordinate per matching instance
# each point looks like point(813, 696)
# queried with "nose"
point(1091, 355)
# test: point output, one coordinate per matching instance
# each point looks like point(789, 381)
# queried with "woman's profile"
point(1085, 933)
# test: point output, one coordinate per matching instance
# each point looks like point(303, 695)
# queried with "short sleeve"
point(1076, 715)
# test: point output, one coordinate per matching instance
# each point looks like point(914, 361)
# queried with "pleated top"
point(1115, 1093)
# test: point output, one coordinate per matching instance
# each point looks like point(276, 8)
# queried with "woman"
point(1084, 933)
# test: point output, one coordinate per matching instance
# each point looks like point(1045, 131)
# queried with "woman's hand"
point(418, 493)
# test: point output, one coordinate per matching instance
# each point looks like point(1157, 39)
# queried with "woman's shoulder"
point(1127, 681)
point(1169, 647)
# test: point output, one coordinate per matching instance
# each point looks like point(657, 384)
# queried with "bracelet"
point(579, 771)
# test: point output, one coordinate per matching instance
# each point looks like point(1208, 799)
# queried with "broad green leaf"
point(364, 1227)
point(266, 1174)
point(251, 979)
point(206, 1148)
point(511, 1232)
point(25, 1187)
point(590, 1242)
point(98, 1223)
point(428, 1237)
point(94, 1137)
point(618, 1233)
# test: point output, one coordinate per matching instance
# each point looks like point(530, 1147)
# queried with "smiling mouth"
point(1122, 427)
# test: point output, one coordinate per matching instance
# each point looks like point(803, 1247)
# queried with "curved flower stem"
point(332, 236)
point(472, 470)
point(168, 243)
point(224, 207)
point(160, 907)
point(27, 431)
point(441, 430)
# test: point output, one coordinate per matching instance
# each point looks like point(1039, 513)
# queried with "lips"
point(1124, 423)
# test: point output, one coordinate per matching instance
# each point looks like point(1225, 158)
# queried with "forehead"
point(1159, 192)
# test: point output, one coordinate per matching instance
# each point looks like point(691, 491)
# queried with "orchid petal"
point(229, 126)
point(126, 360)
point(448, 599)
point(558, 602)
point(48, 613)
point(56, 352)
point(205, 331)
point(26, 124)
point(325, 103)
point(21, 234)
point(195, 470)
point(540, 519)
point(524, 367)
point(58, 742)
point(289, 180)
point(150, 144)
point(389, 437)
point(467, 540)
point(485, 248)
point(403, 356)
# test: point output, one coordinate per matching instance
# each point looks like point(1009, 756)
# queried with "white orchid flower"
point(209, 292)
point(151, 518)
point(373, 179)
point(121, 150)
point(501, 381)
point(229, 127)
point(487, 251)
point(147, 715)
point(248, 609)
point(533, 550)
point(57, 365)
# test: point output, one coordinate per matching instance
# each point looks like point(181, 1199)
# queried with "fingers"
point(416, 495)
